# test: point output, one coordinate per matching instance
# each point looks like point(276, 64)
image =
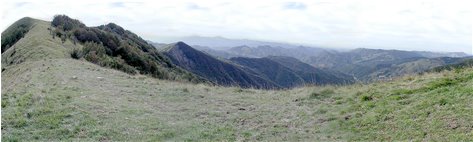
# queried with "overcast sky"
point(432, 25)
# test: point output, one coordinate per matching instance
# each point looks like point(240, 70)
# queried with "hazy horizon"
point(169, 40)
point(440, 26)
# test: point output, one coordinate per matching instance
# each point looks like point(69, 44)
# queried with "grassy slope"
point(36, 45)
point(42, 100)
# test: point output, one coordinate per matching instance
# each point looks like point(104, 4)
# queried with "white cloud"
point(435, 25)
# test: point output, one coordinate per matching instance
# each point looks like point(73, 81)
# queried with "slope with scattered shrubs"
point(112, 46)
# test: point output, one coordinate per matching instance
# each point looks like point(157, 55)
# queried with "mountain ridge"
point(212, 69)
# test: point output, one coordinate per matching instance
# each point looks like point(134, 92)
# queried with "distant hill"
point(441, 54)
point(363, 64)
point(226, 43)
point(215, 70)
point(311, 74)
point(271, 72)
point(467, 63)
point(370, 64)
point(290, 72)
point(299, 52)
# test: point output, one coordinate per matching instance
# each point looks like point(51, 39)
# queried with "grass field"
point(47, 96)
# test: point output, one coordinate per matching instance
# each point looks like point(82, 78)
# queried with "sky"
point(428, 25)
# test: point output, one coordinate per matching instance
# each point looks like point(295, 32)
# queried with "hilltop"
point(47, 95)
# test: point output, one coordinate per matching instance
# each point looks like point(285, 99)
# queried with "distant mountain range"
point(225, 43)
point(362, 64)
point(210, 68)
point(269, 72)
point(290, 72)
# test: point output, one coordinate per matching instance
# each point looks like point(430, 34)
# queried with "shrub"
point(314, 95)
point(327, 92)
point(92, 57)
point(402, 91)
point(63, 38)
point(66, 23)
point(366, 98)
point(323, 94)
point(443, 102)
point(76, 53)
point(185, 90)
point(85, 35)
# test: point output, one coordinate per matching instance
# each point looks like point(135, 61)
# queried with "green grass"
point(51, 97)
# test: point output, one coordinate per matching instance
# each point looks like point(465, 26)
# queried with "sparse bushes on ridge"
point(96, 53)
point(112, 46)
point(66, 23)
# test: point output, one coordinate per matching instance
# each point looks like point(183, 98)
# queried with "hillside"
point(311, 74)
point(210, 68)
point(289, 72)
point(467, 63)
point(112, 46)
point(270, 70)
point(49, 96)
point(370, 64)
point(299, 52)
point(267, 73)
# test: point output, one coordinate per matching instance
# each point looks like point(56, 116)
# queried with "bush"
point(443, 102)
point(92, 46)
point(327, 92)
point(85, 35)
point(402, 92)
point(76, 53)
point(366, 98)
point(323, 94)
point(66, 23)
point(314, 95)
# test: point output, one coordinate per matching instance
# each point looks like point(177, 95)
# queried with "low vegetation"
point(66, 100)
